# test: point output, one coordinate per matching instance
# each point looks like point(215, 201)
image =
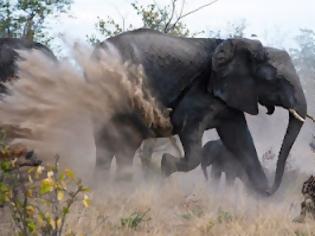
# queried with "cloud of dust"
point(63, 103)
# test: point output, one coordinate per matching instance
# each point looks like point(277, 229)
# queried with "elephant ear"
point(231, 78)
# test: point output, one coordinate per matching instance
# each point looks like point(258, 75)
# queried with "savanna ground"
point(185, 204)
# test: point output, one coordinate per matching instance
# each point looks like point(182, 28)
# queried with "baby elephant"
point(222, 160)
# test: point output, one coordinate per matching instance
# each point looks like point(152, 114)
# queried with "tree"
point(28, 18)
point(304, 55)
point(304, 60)
point(166, 19)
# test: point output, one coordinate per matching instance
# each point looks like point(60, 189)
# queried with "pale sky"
point(274, 21)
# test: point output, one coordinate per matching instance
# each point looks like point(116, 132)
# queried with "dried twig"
point(171, 17)
point(181, 16)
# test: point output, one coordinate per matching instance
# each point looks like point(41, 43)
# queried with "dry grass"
point(185, 204)
point(175, 207)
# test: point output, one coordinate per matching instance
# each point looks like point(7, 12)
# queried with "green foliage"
point(134, 219)
point(166, 19)
point(39, 198)
point(193, 211)
point(108, 27)
point(161, 18)
point(28, 18)
point(224, 216)
point(304, 61)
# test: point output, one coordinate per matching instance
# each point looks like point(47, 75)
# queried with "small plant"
point(195, 211)
point(300, 233)
point(39, 197)
point(187, 216)
point(134, 219)
point(224, 216)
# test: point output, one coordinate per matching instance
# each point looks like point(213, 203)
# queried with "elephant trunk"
point(296, 121)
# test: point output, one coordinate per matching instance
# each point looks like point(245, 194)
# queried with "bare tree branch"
point(180, 17)
point(198, 9)
point(182, 7)
point(123, 18)
point(171, 17)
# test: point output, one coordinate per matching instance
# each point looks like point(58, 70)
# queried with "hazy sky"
point(271, 20)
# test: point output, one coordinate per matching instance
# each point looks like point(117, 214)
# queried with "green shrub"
point(39, 197)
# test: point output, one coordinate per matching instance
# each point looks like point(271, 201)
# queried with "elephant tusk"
point(310, 117)
point(296, 115)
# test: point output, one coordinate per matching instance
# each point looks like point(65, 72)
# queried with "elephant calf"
point(214, 153)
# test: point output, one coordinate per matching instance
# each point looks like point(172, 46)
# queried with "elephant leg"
point(236, 137)
point(124, 158)
point(150, 169)
point(191, 141)
point(216, 172)
point(229, 178)
point(104, 157)
point(146, 154)
point(124, 163)
point(103, 160)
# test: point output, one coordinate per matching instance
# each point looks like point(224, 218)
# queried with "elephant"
point(207, 83)
point(214, 153)
point(9, 55)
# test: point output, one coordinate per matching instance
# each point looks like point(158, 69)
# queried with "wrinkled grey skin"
point(210, 83)
point(214, 153)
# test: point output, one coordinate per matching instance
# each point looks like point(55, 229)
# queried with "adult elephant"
point(210, 83)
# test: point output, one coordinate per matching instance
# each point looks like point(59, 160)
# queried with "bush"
point(39, 197)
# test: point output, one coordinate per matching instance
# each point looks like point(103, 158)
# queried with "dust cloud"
point(64, 103)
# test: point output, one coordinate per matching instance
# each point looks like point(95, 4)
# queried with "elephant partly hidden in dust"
point(9, 71)
point(208, 83)
point(9, 56)
point(221, 160)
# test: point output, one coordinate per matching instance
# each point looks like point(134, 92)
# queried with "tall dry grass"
point(186, 205)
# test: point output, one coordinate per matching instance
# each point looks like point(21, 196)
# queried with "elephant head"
point(246, 74)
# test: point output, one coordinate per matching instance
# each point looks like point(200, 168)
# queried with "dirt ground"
point(185, 204)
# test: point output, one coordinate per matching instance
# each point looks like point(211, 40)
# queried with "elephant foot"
point(259, 186)
point(168, 164)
